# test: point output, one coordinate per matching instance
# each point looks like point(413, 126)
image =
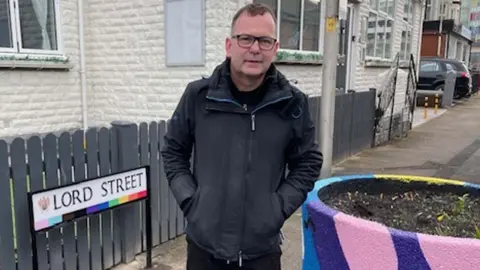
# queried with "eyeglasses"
point(246, 41)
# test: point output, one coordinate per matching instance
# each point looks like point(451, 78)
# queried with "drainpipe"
point(83, 79)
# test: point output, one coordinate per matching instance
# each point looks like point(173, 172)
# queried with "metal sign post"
point(329, 74)
point(51, 208)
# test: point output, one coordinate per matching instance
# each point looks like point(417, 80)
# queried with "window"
point(407, 28)
point(184, 26)
point(428, 10)
point(298, 23)
point(380, 29)
point(29, 26)
point(429, 66)
point(449, 67)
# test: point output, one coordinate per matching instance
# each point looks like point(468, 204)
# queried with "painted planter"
point(333, 240)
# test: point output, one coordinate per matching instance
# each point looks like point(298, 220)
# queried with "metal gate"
point(411, 93)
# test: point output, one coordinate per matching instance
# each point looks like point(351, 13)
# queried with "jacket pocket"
point(273, 219)
point(277, 210)
point(193, 204)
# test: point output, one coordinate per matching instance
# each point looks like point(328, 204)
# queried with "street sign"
point(50, 208)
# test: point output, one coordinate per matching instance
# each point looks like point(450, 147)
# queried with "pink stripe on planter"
point(450, 252)
point(365, 244)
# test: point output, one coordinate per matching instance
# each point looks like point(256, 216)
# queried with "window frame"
point(379, 13)
point(408, 27)
point(302, 11)
point(16, 32)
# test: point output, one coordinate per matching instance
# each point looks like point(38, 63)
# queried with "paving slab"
point(420, 118)
point(447, 146)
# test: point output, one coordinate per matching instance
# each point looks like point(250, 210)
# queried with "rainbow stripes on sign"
point(46, 223)
point(115, 202)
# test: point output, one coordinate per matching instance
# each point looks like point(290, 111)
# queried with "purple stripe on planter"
point(329, 252)
point(409, 252)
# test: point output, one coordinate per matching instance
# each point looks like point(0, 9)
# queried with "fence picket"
point(69, 240)
point(20, 189)
point(164, 189)
point(154, 182)
point(127, 136)
point(79, 173)
point(358, 133)
point(51, 180)
point(117, 213)
point(144, 160)
point(37, 178)
point(107, 226)
point(337, 128)
point(94, 220)
point(7, 248)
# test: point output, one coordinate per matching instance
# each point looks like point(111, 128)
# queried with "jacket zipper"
point(249, 161)
point(223, 204)
point(253, 128)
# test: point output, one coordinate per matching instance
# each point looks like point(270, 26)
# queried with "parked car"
point(433, 72)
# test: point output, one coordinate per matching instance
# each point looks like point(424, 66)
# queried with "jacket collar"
point(276, 85)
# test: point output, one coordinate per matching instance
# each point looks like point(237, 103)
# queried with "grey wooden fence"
point(354, 122)
point(102, 241)
point(97, 242)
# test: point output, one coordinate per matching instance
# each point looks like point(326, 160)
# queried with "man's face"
point(252, 47)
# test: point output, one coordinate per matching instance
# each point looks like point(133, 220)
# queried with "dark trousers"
point(198, 259)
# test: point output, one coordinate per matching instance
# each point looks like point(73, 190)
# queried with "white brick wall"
point(309, 77)
point(127, 77)
point(41, 101)
point(126, 74)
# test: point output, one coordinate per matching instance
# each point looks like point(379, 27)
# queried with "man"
point(247, 123)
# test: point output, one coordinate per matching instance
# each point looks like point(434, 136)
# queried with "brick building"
point(64, 67)
point(445, 32)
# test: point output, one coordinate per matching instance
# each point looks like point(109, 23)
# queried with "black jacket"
point(239, 196)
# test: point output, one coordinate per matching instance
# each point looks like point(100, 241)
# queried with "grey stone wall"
point(399, 129)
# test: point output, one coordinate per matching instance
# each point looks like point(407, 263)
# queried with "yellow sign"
point(331, 23)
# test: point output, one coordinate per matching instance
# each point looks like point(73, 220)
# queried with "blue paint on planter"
point(409, 252)
point(329, 253)
point(310, 260)
point(357, 176)
point(471, 185)
point(310, 257)
point(473, 188)
point(321, 183)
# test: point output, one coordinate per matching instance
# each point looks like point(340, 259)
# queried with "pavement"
point(421, 117)
point(447, 146)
